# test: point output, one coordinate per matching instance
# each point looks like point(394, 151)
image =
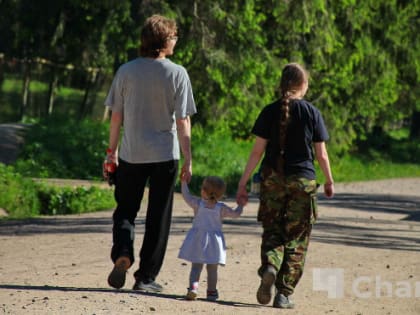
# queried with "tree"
point(362, 55)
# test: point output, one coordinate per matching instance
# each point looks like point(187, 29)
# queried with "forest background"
point(57, 60)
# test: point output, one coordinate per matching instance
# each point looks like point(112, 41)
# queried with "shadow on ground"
point(346, 230)
point(108, 290)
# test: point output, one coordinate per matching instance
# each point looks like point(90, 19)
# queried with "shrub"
point(22, 197)
point(70, 200)
point(215, 152)
point(64, 149)
point(18, 195)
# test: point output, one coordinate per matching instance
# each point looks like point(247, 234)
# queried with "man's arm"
point(184, 137)
point(114, 133)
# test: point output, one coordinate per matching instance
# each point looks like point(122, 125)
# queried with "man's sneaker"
point(191, 294)
point(212, 295)
point(151, 286)
point(282, 301)
point(267, 281)
point(116, 278)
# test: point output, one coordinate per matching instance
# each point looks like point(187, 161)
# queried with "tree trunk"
point(415, 125)
point(96, 85)
point(26, 90)
point(105, 116)
point(1, 71)
point(51, 91)
point(84, 106)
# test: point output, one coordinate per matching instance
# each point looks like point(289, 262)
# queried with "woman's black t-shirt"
point(305, 126)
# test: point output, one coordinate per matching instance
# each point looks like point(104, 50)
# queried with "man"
point(152, 98)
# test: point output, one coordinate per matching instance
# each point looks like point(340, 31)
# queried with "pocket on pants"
point(272, 197)
point(314, 208)
point(301, 205)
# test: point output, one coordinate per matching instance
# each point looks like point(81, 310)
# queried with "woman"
point(286, 132)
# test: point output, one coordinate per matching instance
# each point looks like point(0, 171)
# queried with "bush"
point(69, 200)
point(22, 197)
point(18, 195)
point(64, 149)
point(216, 153)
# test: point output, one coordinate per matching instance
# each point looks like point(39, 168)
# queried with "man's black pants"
point(131, 180)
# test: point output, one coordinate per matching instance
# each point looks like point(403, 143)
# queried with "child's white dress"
point(205, 242)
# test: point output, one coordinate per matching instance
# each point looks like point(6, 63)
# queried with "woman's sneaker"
point(282, 301)
point(212, 295)
point(267, 281)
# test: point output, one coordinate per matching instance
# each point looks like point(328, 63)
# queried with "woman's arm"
point(253, 160)
point(321, 155)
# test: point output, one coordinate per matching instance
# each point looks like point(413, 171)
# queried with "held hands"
point(241, 196)
point(186, 173)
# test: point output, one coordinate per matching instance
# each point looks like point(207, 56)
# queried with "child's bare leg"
point(195, 275)
point(212, 277)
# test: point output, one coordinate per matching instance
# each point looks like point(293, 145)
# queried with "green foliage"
point(215, 153)
point(56, 147)
point(394, 147)
point(363, 56)
point(67, 100)
point(23, 197)
point(232, 71)
point(351, 168)
point(84, 33)
point(71, 200)
point(18, 195)
point(382, 155)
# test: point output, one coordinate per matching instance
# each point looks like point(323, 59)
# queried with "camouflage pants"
point(287, 211)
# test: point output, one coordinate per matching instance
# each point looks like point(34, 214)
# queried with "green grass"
point(67, 101)
point(359, 168)
point(23, 197)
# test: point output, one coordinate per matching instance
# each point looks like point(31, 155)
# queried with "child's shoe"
point(191, 294)
point(212, 295)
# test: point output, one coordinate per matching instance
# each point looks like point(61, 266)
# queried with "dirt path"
point(366, 245)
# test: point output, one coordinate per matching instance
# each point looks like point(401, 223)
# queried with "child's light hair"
point(214, 187)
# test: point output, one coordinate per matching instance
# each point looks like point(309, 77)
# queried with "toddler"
point(205, 243)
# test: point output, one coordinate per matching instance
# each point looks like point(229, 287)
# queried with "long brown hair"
point(292, 79)
point(154, 35)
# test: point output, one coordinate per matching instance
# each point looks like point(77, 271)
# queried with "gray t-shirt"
point(151, 94)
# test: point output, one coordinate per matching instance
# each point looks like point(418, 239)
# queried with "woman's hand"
point(241, 196)
point(329, 190)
